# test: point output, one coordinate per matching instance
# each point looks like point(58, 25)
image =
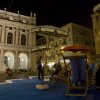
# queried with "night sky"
point(54, 12)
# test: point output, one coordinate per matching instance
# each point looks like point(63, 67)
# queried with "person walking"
point(40, 68)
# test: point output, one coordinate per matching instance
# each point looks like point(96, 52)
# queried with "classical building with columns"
point(17, 38)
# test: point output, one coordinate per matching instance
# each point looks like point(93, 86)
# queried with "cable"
point(10, 4)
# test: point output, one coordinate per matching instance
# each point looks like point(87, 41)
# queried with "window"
point(56, 44)
point(6, 60)
point(68, 29)
point(23, 39)
point(64, 41)
point(97, 18)
point(77, 38)
point(10, 38)
point(24, 20)
point(10, 28)
point(11, 18)
point(23, 30)
point(60, 41)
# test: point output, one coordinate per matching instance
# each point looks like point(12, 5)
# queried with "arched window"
point(10, 38)
point(23, 61)
point(23, 39)
point(6, 60)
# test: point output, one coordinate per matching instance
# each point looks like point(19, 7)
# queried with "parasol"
point(75, 48)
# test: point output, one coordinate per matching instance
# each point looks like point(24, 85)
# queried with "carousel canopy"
point(40, 48)
point(50, 30)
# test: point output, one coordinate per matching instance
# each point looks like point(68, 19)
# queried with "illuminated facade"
point(16, 40)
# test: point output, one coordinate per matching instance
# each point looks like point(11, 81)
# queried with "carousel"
point(49, 32)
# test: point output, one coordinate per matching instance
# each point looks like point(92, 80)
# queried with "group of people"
point(9, 73)
point(57, 68)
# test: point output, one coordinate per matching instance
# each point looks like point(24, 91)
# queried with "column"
point(17, 34)
point(16, 60)
point(3, 34)
point(29, 38)
point(29, 61)
point(2, 65)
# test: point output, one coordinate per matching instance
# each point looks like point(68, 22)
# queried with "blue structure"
point(79, 74)
point(78, 67)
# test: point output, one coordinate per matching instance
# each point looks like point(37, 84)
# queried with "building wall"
point(79, 35)
point(96, 27)
point(68, 28)
point(13, 26)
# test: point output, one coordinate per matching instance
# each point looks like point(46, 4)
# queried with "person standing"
point(97, 75)
point(40, 68)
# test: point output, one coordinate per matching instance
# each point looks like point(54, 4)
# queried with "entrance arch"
point(23, 60)
point(9, 59)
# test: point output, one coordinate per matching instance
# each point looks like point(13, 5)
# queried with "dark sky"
point(54, 12)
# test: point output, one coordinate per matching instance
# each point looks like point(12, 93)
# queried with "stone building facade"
point(79, 35)
point(17, 38)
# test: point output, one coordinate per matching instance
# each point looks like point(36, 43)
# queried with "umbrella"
point(75, 48)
